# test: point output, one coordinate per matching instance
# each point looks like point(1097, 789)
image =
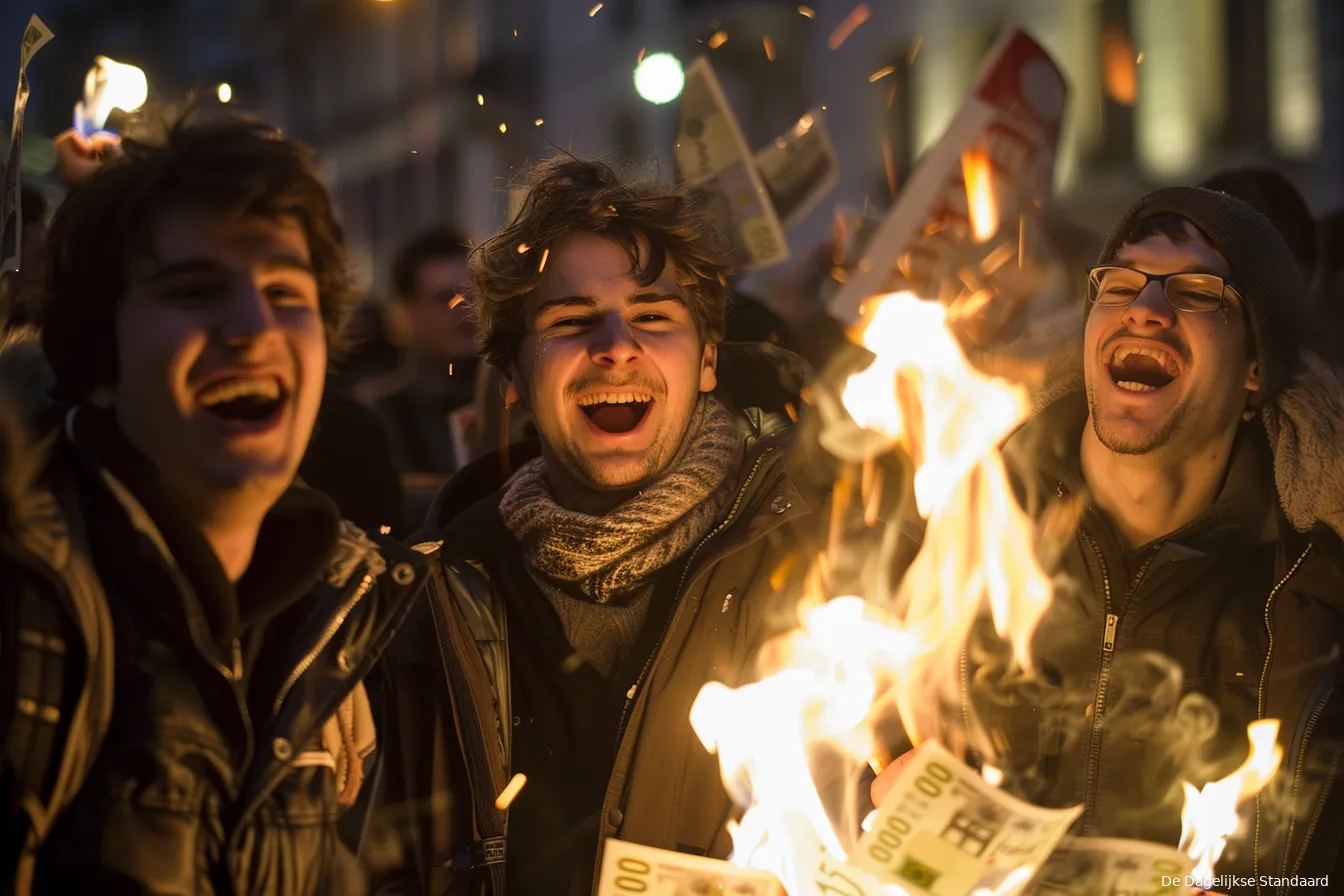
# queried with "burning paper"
point(1090, 866)
point(714, 163)
point(854, 660)
point(631, 868)
point(109, 85)
point(35, 36)
point(1210, 813)
point(799, 168)
point(945, 831)
point(1014, 114)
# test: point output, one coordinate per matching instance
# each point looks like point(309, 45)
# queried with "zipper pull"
point(1108, 641)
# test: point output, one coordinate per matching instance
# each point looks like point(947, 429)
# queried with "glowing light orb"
point(659, 78)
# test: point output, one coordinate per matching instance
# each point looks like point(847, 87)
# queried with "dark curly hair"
point(568, 196)
point(230, 166)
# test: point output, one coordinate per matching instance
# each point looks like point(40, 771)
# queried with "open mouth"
point(244, 401)
point(1143, 368)
point(616, 412)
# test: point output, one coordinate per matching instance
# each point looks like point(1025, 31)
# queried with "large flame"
point(831, 685)
point(109, 85)
point(981, 207)
point(1210, 813)
point(853, 659)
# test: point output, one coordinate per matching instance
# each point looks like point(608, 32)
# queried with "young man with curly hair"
point(184, 628)
point(578, 606)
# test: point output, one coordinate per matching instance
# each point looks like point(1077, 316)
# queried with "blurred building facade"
point(422, 108)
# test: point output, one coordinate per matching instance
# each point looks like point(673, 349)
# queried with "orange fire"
point(980, 205)
point(1210, 813)
point(855, 659)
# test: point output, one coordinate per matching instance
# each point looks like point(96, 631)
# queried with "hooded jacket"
point(1247, 604)
point(163, 730)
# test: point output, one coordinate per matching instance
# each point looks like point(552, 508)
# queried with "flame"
point(109, 85)
point(853, 659)
point(980, 205)
point(1118, 66)
point(1210, 813)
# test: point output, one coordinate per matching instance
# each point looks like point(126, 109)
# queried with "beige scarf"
point(597, 570)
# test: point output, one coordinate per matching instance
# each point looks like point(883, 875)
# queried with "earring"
point(1248, 415)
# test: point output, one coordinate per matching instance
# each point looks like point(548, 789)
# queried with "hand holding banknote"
point(941, 829)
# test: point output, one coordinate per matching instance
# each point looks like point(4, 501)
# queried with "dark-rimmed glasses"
point(1191, 292)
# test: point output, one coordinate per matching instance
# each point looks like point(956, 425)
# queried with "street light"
point(225, 92)
point(659, 78)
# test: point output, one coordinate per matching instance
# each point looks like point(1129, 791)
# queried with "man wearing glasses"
point(1204, 587)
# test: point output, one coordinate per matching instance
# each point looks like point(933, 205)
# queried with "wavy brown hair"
point(656, 224)
point(232, 166)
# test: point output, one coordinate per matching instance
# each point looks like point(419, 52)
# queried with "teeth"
point(1131, 386)
point(613, 398)
point(229, 390)
point(1162, 357)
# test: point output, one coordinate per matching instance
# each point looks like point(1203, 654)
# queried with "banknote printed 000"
point(715, 165)
point(1086, 866)
point(945, 831)
point(35, 37)
point(629, 868)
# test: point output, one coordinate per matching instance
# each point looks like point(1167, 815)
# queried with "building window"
point(1120, 84)
point(1294, 78)
point(1182, 102)
point(898, 145)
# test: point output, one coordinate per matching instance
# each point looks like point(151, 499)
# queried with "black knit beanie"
point(1264, 270)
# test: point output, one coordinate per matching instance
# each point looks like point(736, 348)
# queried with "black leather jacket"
point(191, 757)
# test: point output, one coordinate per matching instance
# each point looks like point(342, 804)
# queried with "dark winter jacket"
point(165, 731)
point(648, 779)
point(1247, 602)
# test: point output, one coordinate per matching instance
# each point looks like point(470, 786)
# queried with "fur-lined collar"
point(1305, 428)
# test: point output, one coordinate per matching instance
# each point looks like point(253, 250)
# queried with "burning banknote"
point(717, 167)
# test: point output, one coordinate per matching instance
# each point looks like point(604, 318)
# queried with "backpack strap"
point(475, 704)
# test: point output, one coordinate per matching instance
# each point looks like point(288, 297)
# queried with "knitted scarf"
point(598, 571)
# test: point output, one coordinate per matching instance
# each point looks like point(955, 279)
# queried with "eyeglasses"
point(1112, 286)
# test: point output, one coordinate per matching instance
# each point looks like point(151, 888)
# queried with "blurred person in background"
point(426, 405)
point(17, 289)
point(1275, 197)
point(185, 629)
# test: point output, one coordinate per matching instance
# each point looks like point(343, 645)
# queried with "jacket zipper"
point(327, 634)
point(667, 623)
point(1297, 789)
point(1103, 674)
point(1260, 698)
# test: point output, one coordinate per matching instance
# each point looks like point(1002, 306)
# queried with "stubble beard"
point(1153, 441)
